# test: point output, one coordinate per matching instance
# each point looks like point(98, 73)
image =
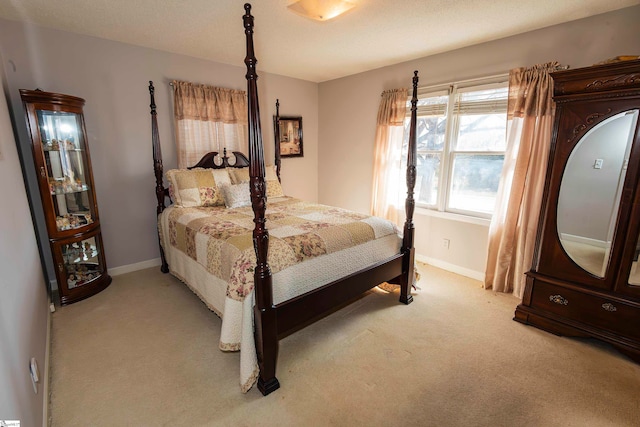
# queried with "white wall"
point(23, 296)
point(348, 110)
point(113, 77)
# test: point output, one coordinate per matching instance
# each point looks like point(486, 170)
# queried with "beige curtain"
point(208, 119)
point(514, 224)
point(386, 198)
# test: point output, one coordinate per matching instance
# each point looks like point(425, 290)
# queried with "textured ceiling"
point(374, 34)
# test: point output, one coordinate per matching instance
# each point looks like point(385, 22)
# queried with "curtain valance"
point(393, 107)
point(202, 102)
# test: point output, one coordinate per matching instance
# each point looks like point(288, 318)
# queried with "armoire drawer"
point(588, 309)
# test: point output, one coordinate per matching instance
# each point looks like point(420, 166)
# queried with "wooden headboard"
point(209, 161)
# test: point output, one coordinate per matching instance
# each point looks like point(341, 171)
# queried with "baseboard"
point(123, 269)
point(47, 370)
point(584, 240)
point(467, 272)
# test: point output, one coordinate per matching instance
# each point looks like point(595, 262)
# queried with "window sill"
point(453, 216)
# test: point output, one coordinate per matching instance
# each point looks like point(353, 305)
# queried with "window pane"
point(471, 155)
point(432, 105)
point(482, 132)
point(428, 169)
point(470, 95)
point(474, 182)
point(430, 132)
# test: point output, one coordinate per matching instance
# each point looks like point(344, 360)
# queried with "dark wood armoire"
point(585, 279)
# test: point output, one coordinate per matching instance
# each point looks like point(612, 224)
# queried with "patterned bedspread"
point(220, 239)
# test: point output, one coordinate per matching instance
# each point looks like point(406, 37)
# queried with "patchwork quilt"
point(220, 239)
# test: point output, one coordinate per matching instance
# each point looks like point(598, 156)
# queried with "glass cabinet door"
point(81, 269)
point(65, 166)
point(81, 262)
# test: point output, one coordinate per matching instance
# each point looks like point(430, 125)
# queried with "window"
point(461, 141)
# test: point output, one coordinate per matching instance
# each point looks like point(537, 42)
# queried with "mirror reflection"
point(634, 274)
point(590, 192)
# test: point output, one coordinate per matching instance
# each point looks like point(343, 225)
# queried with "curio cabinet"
point(63, 165)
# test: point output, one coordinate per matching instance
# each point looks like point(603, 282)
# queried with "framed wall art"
point(289, 133)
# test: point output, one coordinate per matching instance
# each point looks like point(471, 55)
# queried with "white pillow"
point(236, 195)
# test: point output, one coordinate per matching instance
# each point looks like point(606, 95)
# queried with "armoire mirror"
point(590, 193)
point(634, 274)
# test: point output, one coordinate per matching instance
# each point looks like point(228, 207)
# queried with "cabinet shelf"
point(57, 192)
point(84, 274)
point(80, 255)
point(73, 222)
point(58, 150)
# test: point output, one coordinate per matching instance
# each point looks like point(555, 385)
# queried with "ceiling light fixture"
point(320, 10)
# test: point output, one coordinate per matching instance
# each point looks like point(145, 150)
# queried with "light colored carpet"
point(144, 353)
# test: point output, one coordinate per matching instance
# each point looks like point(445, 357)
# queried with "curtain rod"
point(478, 79)
point(488, 79)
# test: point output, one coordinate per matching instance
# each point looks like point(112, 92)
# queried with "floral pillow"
point(236, 195)
point(197, 187)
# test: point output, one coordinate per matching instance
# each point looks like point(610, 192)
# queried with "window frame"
point(449, 149)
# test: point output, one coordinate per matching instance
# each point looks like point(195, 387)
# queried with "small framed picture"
point(289, 133)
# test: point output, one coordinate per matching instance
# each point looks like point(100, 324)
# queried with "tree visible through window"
point(461, 140)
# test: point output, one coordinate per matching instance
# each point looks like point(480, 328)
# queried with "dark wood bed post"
point(266, 332)
point(276, 136)
point(408, 275)
point(157, 168)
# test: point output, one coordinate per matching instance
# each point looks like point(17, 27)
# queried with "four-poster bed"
point(264, 286)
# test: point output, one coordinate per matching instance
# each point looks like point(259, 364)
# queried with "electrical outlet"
point(35, 374)
point(445, 243)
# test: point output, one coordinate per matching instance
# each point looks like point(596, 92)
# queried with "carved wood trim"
point(624, 80)
point(579, 129)
point(157, 151)
point(208, 161)
point(411, 169)
point(605, 80)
